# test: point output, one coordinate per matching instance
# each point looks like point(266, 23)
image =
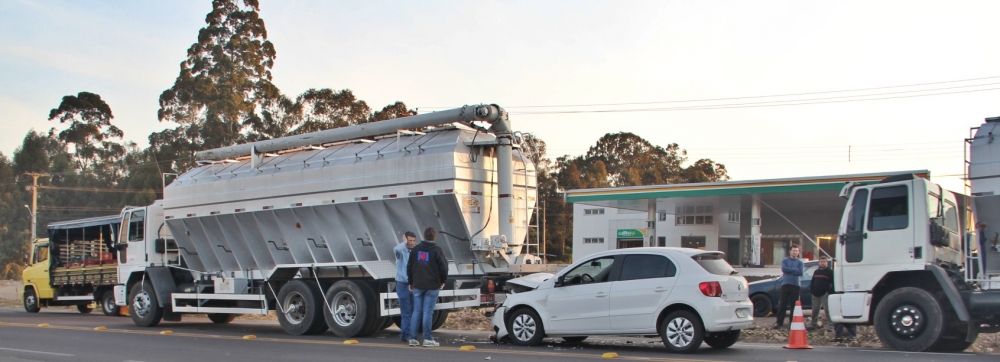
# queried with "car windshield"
point(715, 263)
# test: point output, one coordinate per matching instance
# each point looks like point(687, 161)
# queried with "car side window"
point(808, 273)
point(594, 271)
point(647, 266)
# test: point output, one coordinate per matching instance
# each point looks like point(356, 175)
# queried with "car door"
point(579, 300)
point(643, 285)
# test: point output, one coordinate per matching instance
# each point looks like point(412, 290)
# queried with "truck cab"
point(900, 266)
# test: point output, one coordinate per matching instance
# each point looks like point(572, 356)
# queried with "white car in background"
point(685, 296)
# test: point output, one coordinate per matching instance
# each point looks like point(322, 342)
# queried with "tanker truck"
point(921, 263)
point(305, 225)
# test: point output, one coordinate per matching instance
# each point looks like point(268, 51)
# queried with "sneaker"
point(811, 328)
point(427, 343)
point(414, 343)
point(777, 326)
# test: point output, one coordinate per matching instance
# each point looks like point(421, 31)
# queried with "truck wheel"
point(31, 301)
point(221, 318)
point(440, 317)
point(722, 340)
point(84, 308)
point(682, 332)
point(143, 307)
point(108, 304)
point(388, 323)
point(762, 305)
point(909, 319)
point(301, 308)
point(352, 309)
point(525, 327)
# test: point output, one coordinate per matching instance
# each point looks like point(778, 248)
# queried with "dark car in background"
point(764, 293)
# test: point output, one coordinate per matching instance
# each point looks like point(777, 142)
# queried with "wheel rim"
point(108, 305)
point(345, 309)
point(907, 320)
point(759, 307)
point(524, 327)
point(295, 308)
point(141, 304)
point(29, 300)
point(680, 332)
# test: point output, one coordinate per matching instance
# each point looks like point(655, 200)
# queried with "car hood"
point(531, 281)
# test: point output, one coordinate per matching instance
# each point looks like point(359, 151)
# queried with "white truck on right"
point(920, 263)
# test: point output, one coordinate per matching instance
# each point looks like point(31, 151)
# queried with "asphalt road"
point(71, 336)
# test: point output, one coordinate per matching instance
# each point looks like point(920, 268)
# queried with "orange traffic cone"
point(797, 338)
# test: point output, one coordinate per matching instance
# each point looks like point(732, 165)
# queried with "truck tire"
point(440, 317)
point(222, 318)
point(909, 319)
point(143, 306)
point(352, 311)
point(31, 301)
point(108, 304)
point(300, 308)
point(388, 323)
point(84, 308)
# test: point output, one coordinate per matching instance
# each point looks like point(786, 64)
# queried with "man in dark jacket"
point(791, 272)
point(820, 287)
point(427, 271)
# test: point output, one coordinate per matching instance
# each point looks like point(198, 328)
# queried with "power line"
point(747, 105)
point(95, 189)
point(743, 97)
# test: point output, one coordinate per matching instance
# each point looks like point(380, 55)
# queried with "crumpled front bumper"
point(499, 326)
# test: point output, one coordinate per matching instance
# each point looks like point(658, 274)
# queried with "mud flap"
point(955, 299)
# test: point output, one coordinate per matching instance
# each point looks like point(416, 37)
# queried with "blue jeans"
point(423, 311)
point(405, 310)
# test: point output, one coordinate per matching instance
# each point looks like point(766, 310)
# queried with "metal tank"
point(336, 198)
point(984, 177)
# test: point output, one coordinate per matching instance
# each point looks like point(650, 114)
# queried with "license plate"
point(487, 298)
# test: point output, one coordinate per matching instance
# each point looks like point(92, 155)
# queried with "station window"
point(593, 211)
point(694, 215)
point(593, 240)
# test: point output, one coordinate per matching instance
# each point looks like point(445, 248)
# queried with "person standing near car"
point(791, 272)
point(820, 288)
point(402, 253)
point(427, 271)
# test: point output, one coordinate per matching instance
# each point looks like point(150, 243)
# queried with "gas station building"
point(754, 222)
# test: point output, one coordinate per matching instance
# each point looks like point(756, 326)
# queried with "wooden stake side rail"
point(95, 275)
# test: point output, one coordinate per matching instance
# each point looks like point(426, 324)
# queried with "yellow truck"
point(76, 265)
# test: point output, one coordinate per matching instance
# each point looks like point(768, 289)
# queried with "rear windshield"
point(715, 263)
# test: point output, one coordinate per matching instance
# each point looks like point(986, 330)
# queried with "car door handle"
point(601, 295)
point(659, 289)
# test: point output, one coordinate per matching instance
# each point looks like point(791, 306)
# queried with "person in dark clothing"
point(791, 272)
point(427, 271)
point(820, 288)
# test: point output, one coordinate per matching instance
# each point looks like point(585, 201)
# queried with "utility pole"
point(34, 203)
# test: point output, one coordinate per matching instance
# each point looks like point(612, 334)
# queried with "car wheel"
point(525, 328)
point(722, 340)
point(576, 339)
point(909, 319)
point(762, 305)
point(682, 332)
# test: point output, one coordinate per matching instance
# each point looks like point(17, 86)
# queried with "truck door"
point(134, 234)
point(37, 273)
point(878, 236)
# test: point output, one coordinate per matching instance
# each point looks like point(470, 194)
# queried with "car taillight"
point(711, 289)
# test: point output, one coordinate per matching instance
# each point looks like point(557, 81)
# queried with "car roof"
point(656, 250)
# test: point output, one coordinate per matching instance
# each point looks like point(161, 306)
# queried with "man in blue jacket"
point(791, 271)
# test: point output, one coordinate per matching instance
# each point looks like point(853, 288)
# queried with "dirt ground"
point(475, 320)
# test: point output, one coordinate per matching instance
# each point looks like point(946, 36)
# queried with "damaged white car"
point(685, 296)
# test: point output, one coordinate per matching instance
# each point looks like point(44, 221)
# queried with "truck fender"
point(955, 299)
point(163, 284)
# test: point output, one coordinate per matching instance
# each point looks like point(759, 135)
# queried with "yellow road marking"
point(377, 345)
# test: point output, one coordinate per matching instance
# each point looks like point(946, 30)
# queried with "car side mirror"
point(560, 281)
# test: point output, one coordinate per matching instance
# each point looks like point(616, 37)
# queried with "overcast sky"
point(555, 53)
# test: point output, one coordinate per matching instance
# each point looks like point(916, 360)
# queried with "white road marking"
point(29, 351)
point(918, 353)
